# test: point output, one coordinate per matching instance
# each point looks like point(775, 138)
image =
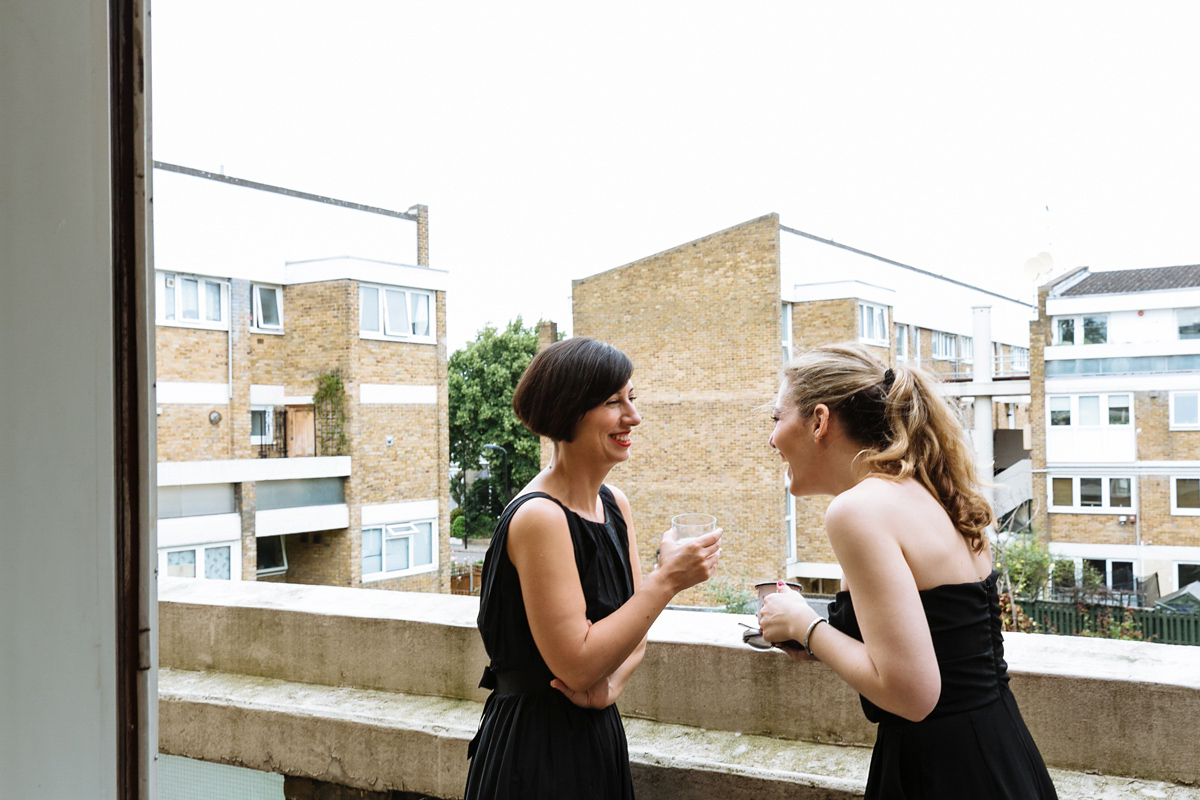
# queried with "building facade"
point(1116, 452)
point(709, 326)
point(301, 402)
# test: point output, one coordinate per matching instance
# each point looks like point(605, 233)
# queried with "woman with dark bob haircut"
point(563, 610)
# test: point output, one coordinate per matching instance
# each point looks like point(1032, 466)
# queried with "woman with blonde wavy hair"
point(916, 628)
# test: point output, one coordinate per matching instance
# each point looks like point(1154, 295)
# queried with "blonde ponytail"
point(906, 428)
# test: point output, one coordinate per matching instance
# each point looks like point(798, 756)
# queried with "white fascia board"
point(201, 394)
point(842, 290)
point(244, 470)
point(814, 569)
point(303, 519)
point(1063, 469)
point(1175, 347)
point(384, 513)
point(183, 531)
point(1122, 383)
point(1125, 552)
point(367, 271)
point(1004, 391)
point(264, 395)
point(298, 400)
point(396, 394)
point(1130, 301)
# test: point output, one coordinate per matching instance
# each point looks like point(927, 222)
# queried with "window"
point(1063, 492)
point(199, 500)
point(1120, 493)
point(192, 301)
point(1066, 331)
point(262, 425)
point(1121, 579)
point(1118, 409)
point(1089, 410)
point(1020, 359)
point(1093, 327)
point(272, 556)
point(268, 308)
point(1184, 410)
point(902, 342)
point(1188, 323)
point(944, 345)
point(1187, 573)
point(966, 348)
point(1185, 496)
point(392, 313)
point(1092, 494)
point(786, 320)
point(872, 323)
point(213, 562)
point(398, 549)
point(1060, 410)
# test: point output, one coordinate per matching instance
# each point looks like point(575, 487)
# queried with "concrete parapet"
point(376, 690)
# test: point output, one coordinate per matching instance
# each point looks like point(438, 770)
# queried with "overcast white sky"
point(552, 141)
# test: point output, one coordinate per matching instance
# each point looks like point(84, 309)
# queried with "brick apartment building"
point(301, 393)
point(709, 325)
point(1116, 449)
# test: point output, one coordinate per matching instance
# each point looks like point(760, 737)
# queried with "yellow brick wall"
point(701, 323)
point(320, 335)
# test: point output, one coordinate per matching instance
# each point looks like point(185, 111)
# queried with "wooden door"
point(301, 431)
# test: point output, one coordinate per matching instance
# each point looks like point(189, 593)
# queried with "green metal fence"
point(1072, 619)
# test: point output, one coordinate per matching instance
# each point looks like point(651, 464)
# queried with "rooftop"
point(1125, 281)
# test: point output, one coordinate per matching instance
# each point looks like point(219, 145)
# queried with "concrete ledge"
point(384, 741)
point(1115, 708)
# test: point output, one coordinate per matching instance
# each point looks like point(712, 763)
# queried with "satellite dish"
point(1039, 265)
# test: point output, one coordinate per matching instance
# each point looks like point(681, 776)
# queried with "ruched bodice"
point(964, 622)
point(974, 743)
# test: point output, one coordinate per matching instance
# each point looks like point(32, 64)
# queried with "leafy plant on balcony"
point(329, 402)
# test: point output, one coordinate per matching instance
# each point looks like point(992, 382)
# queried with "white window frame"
point(1185, 426)
point(943, 346)
point(235, 558)
point(256, 322)
point(872, 317)
point(268, 437)
point(785, 313)
point(275, 570)
point(1178, 333)
point(1178, 583)
point(790, 526)
point(165, 280)
point(1105, 506)
point(1103, 399)
point(902, 348)
point(1176, 511)
point(397, 532)
point(384, 333)
point(966, 349)
point(1079, 328)
point(1020, 359)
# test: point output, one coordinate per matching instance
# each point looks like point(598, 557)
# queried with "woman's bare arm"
point(578, 652)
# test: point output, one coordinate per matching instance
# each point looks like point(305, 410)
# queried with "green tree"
point(482, 377)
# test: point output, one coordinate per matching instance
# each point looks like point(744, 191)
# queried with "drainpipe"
point(985, 457)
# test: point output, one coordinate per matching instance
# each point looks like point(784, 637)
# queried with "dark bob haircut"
point(565, 381)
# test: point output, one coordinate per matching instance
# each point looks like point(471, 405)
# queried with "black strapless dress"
point(533, 743)
point(974, 744)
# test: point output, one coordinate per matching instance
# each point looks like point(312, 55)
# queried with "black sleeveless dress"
point(533, 742)
point(974, 744)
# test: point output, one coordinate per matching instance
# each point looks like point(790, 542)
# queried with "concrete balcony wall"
point(377, 691)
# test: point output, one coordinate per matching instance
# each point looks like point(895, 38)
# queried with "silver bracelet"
point(808, 634)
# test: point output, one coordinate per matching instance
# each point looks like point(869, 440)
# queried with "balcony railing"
point(1006, 367)
point(376, 691)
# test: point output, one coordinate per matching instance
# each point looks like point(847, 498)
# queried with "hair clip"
point(889, 378)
